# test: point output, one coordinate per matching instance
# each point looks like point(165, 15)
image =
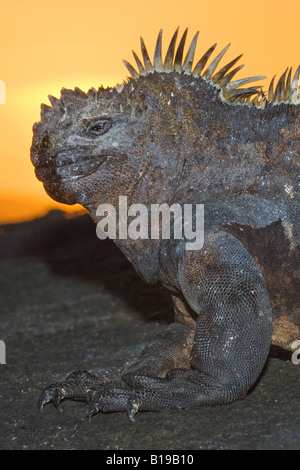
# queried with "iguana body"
point(177, 134)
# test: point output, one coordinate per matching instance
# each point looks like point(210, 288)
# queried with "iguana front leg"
point(225, 287)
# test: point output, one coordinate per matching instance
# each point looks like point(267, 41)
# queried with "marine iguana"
point(178, 133)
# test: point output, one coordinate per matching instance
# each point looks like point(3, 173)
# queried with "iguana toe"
point(54, 394)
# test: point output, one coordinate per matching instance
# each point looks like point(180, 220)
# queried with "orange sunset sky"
point(45, 45)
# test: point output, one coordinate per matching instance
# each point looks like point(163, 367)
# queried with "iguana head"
point(89, 148)
point(89, 143)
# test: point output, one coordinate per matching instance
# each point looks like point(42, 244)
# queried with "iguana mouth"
point(73, 170)
point(67, 165)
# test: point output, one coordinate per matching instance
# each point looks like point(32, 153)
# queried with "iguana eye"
point(99, 127)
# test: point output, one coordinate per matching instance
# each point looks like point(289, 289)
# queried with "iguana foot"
point(182, 389)
point(83, 386)
point(75, 386)
point(169, 349)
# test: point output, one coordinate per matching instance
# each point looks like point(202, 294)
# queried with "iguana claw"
point(93, 406)
point(56, 395)
point(132, 407)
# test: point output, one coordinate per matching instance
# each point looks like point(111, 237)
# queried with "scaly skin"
point(171, 137)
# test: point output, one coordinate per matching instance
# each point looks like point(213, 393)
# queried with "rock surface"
point(69, 301)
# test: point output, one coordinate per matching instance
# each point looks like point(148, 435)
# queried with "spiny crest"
point(287, 89)
point(77, 97)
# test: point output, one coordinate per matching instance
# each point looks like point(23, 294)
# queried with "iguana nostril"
point(45, 143)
